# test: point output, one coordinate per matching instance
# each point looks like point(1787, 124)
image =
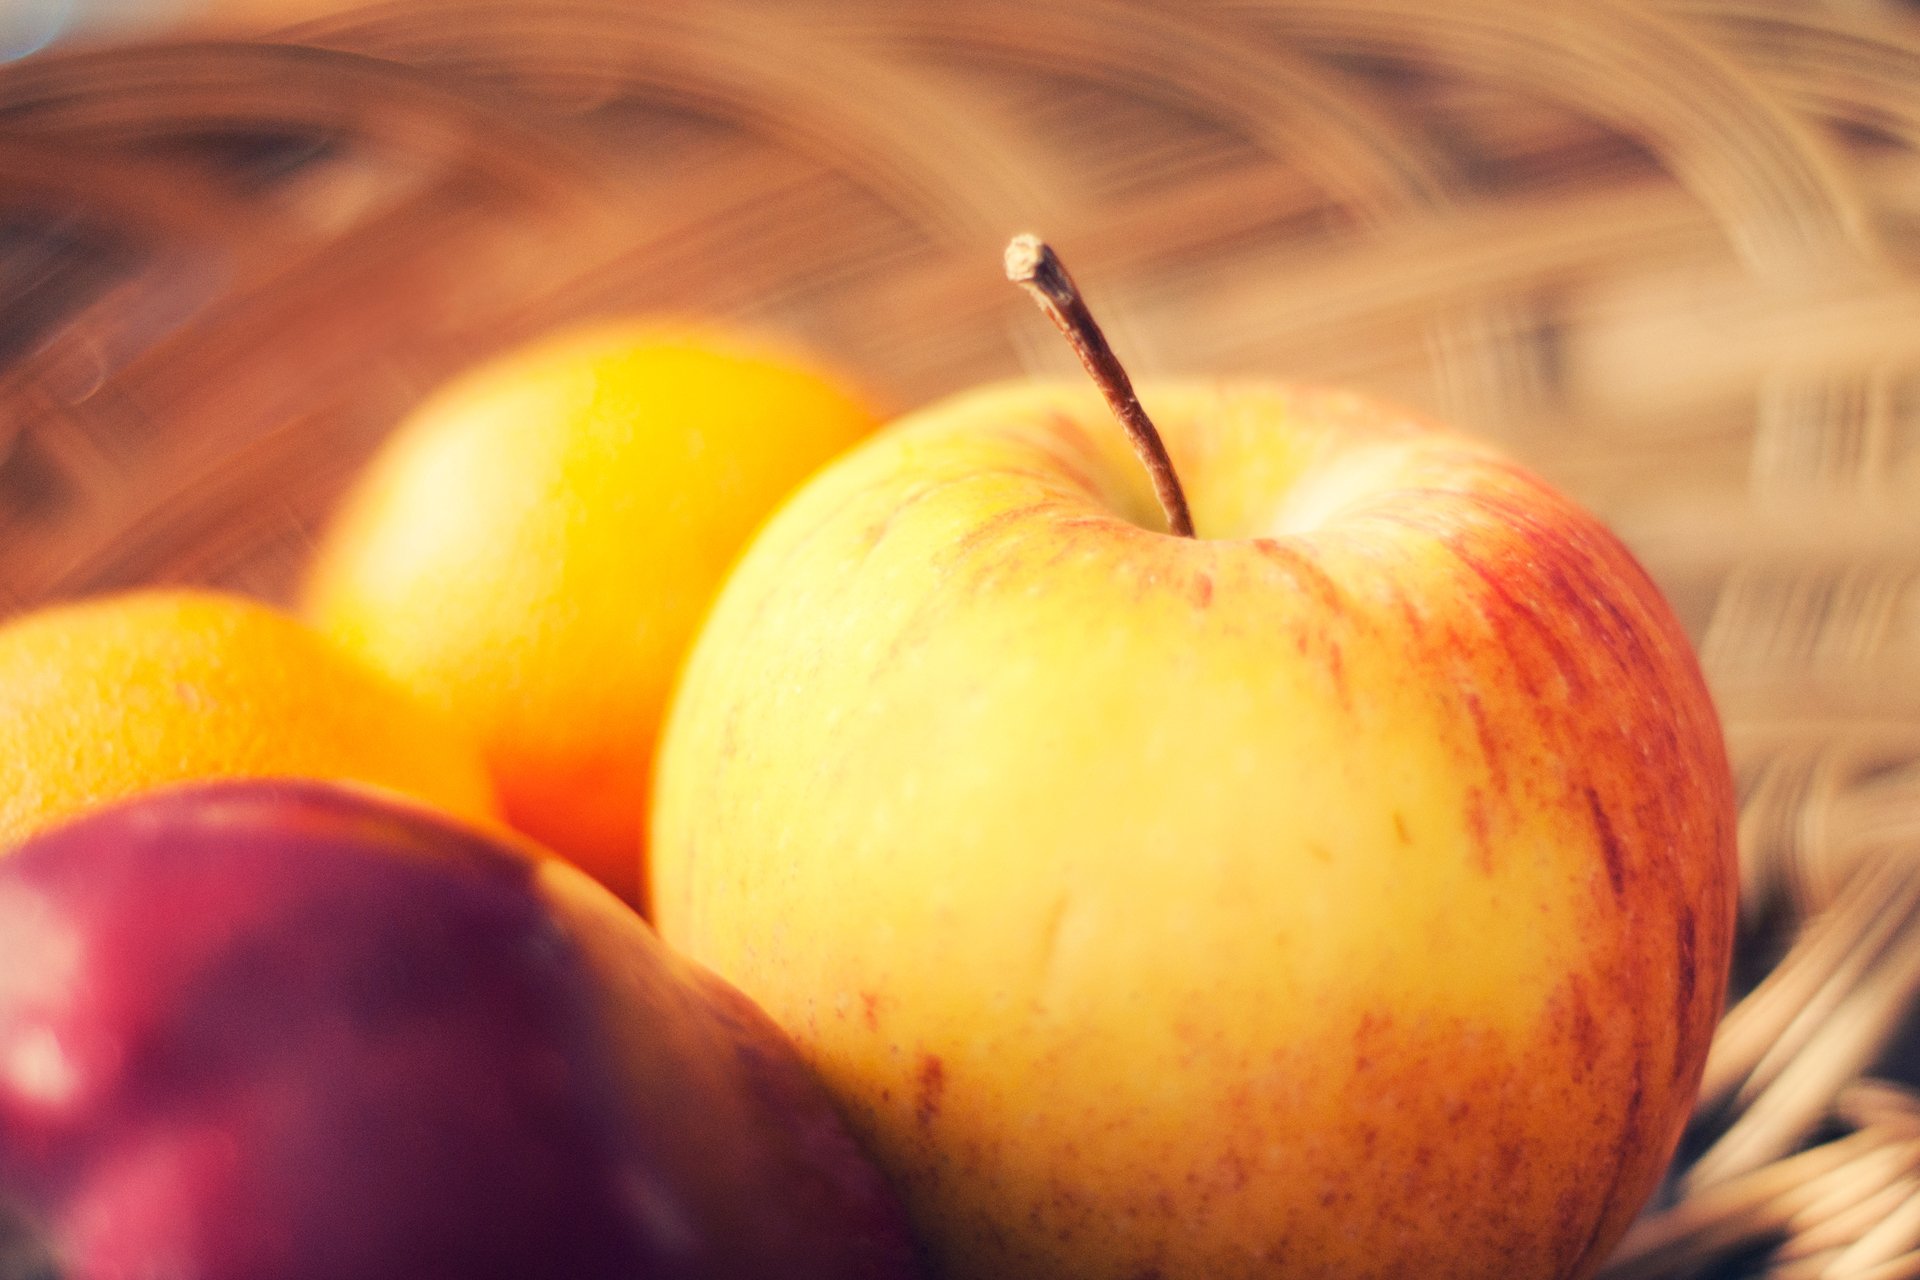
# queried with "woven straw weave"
point(1668, 253)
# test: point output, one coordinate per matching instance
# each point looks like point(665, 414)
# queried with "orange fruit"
point(534, 548)
point(106, 697)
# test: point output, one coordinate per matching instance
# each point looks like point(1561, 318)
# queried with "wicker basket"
point(1669, 253)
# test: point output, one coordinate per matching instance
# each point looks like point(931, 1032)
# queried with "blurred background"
point(1666, 251)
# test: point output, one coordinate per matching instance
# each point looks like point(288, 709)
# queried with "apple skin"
point(1346, 892)
point(286, 1029)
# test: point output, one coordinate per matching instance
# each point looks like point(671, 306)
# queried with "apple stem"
point(1035, 267)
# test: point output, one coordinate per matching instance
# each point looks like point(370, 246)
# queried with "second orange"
point(533, 550)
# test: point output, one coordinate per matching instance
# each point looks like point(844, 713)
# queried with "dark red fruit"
point(281, 1029)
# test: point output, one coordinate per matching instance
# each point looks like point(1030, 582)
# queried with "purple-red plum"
point(286, 1029)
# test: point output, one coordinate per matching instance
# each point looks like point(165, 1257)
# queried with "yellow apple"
point(1345, 891)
